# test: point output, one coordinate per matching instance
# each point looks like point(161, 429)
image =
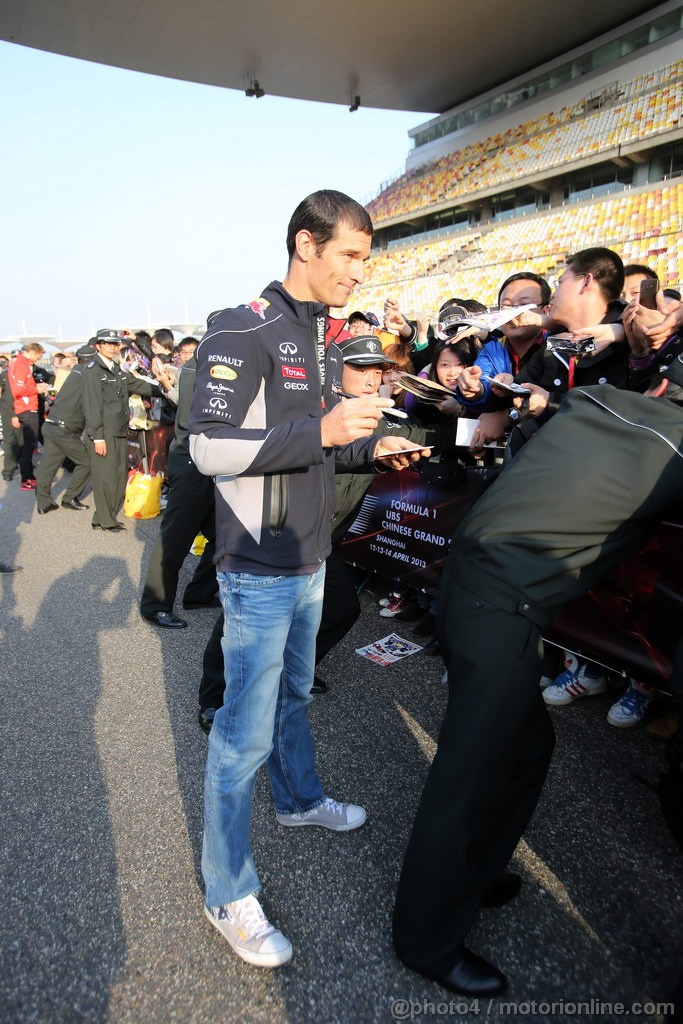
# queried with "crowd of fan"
point(597, 305)
point(30, 390)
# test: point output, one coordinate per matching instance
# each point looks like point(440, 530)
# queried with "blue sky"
point(126, 196)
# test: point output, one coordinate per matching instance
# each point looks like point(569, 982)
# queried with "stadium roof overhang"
point(399, 55)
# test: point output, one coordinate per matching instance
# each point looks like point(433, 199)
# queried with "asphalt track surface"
point(102, 764)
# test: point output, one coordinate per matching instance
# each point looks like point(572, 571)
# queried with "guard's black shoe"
point(49, 508)
point(319, 685)
point(426, 626)
point(432, 647)
point(76, 505)
point(205, 718)
point(4, 568)
point(8, 476)
point(118, 528)
point(471, 976)
point(502, 890)
point(167, 620)
point(213, 602)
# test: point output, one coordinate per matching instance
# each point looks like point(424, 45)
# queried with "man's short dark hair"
point(165, 338)
point(528, 275)
point(606, 267)
point(321, 213)
point(187, 343)
point(639, 268)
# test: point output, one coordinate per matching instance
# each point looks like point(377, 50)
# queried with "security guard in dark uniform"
point(105, 406)
point(585, 494)
point(62, 440)
point(189, 511)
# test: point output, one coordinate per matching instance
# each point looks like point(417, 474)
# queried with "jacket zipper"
point(279, 503)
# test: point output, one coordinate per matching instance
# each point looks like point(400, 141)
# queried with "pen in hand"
point(388, 412)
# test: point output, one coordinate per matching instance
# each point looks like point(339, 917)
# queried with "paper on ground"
point(388, 650)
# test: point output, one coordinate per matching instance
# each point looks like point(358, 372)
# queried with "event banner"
point(404, 528)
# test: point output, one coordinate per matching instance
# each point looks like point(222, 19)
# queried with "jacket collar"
point(300, 312)
point(101, 362)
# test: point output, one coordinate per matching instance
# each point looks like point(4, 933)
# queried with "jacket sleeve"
point(229, 434)
point(93, 406)
point(141, 387)
point(492, 360)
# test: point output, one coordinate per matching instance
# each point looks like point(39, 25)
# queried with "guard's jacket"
point(105, 398)
point(67, 409)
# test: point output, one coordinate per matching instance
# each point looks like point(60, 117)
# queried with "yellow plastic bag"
point(198, 544)
point(143, 496)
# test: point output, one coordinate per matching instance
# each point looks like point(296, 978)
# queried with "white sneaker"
point(631, 707)
point(250, 933)
point(574, 682)
point(397, 603)
point(328, 814)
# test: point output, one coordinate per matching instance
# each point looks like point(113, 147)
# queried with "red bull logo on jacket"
point(258, 306)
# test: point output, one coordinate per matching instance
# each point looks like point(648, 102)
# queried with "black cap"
point(450, 322)
point(369, 318)
point(86, 352)
point(365, 350)
point(107, 335)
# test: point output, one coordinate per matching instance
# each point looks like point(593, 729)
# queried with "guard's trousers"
point(108, 474)
point(494, 749)
point(12, 440)
point(60, 444)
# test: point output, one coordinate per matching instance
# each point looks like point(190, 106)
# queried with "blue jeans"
point(271, 624)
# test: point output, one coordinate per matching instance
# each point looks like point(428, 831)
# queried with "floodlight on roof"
point(255, 89)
